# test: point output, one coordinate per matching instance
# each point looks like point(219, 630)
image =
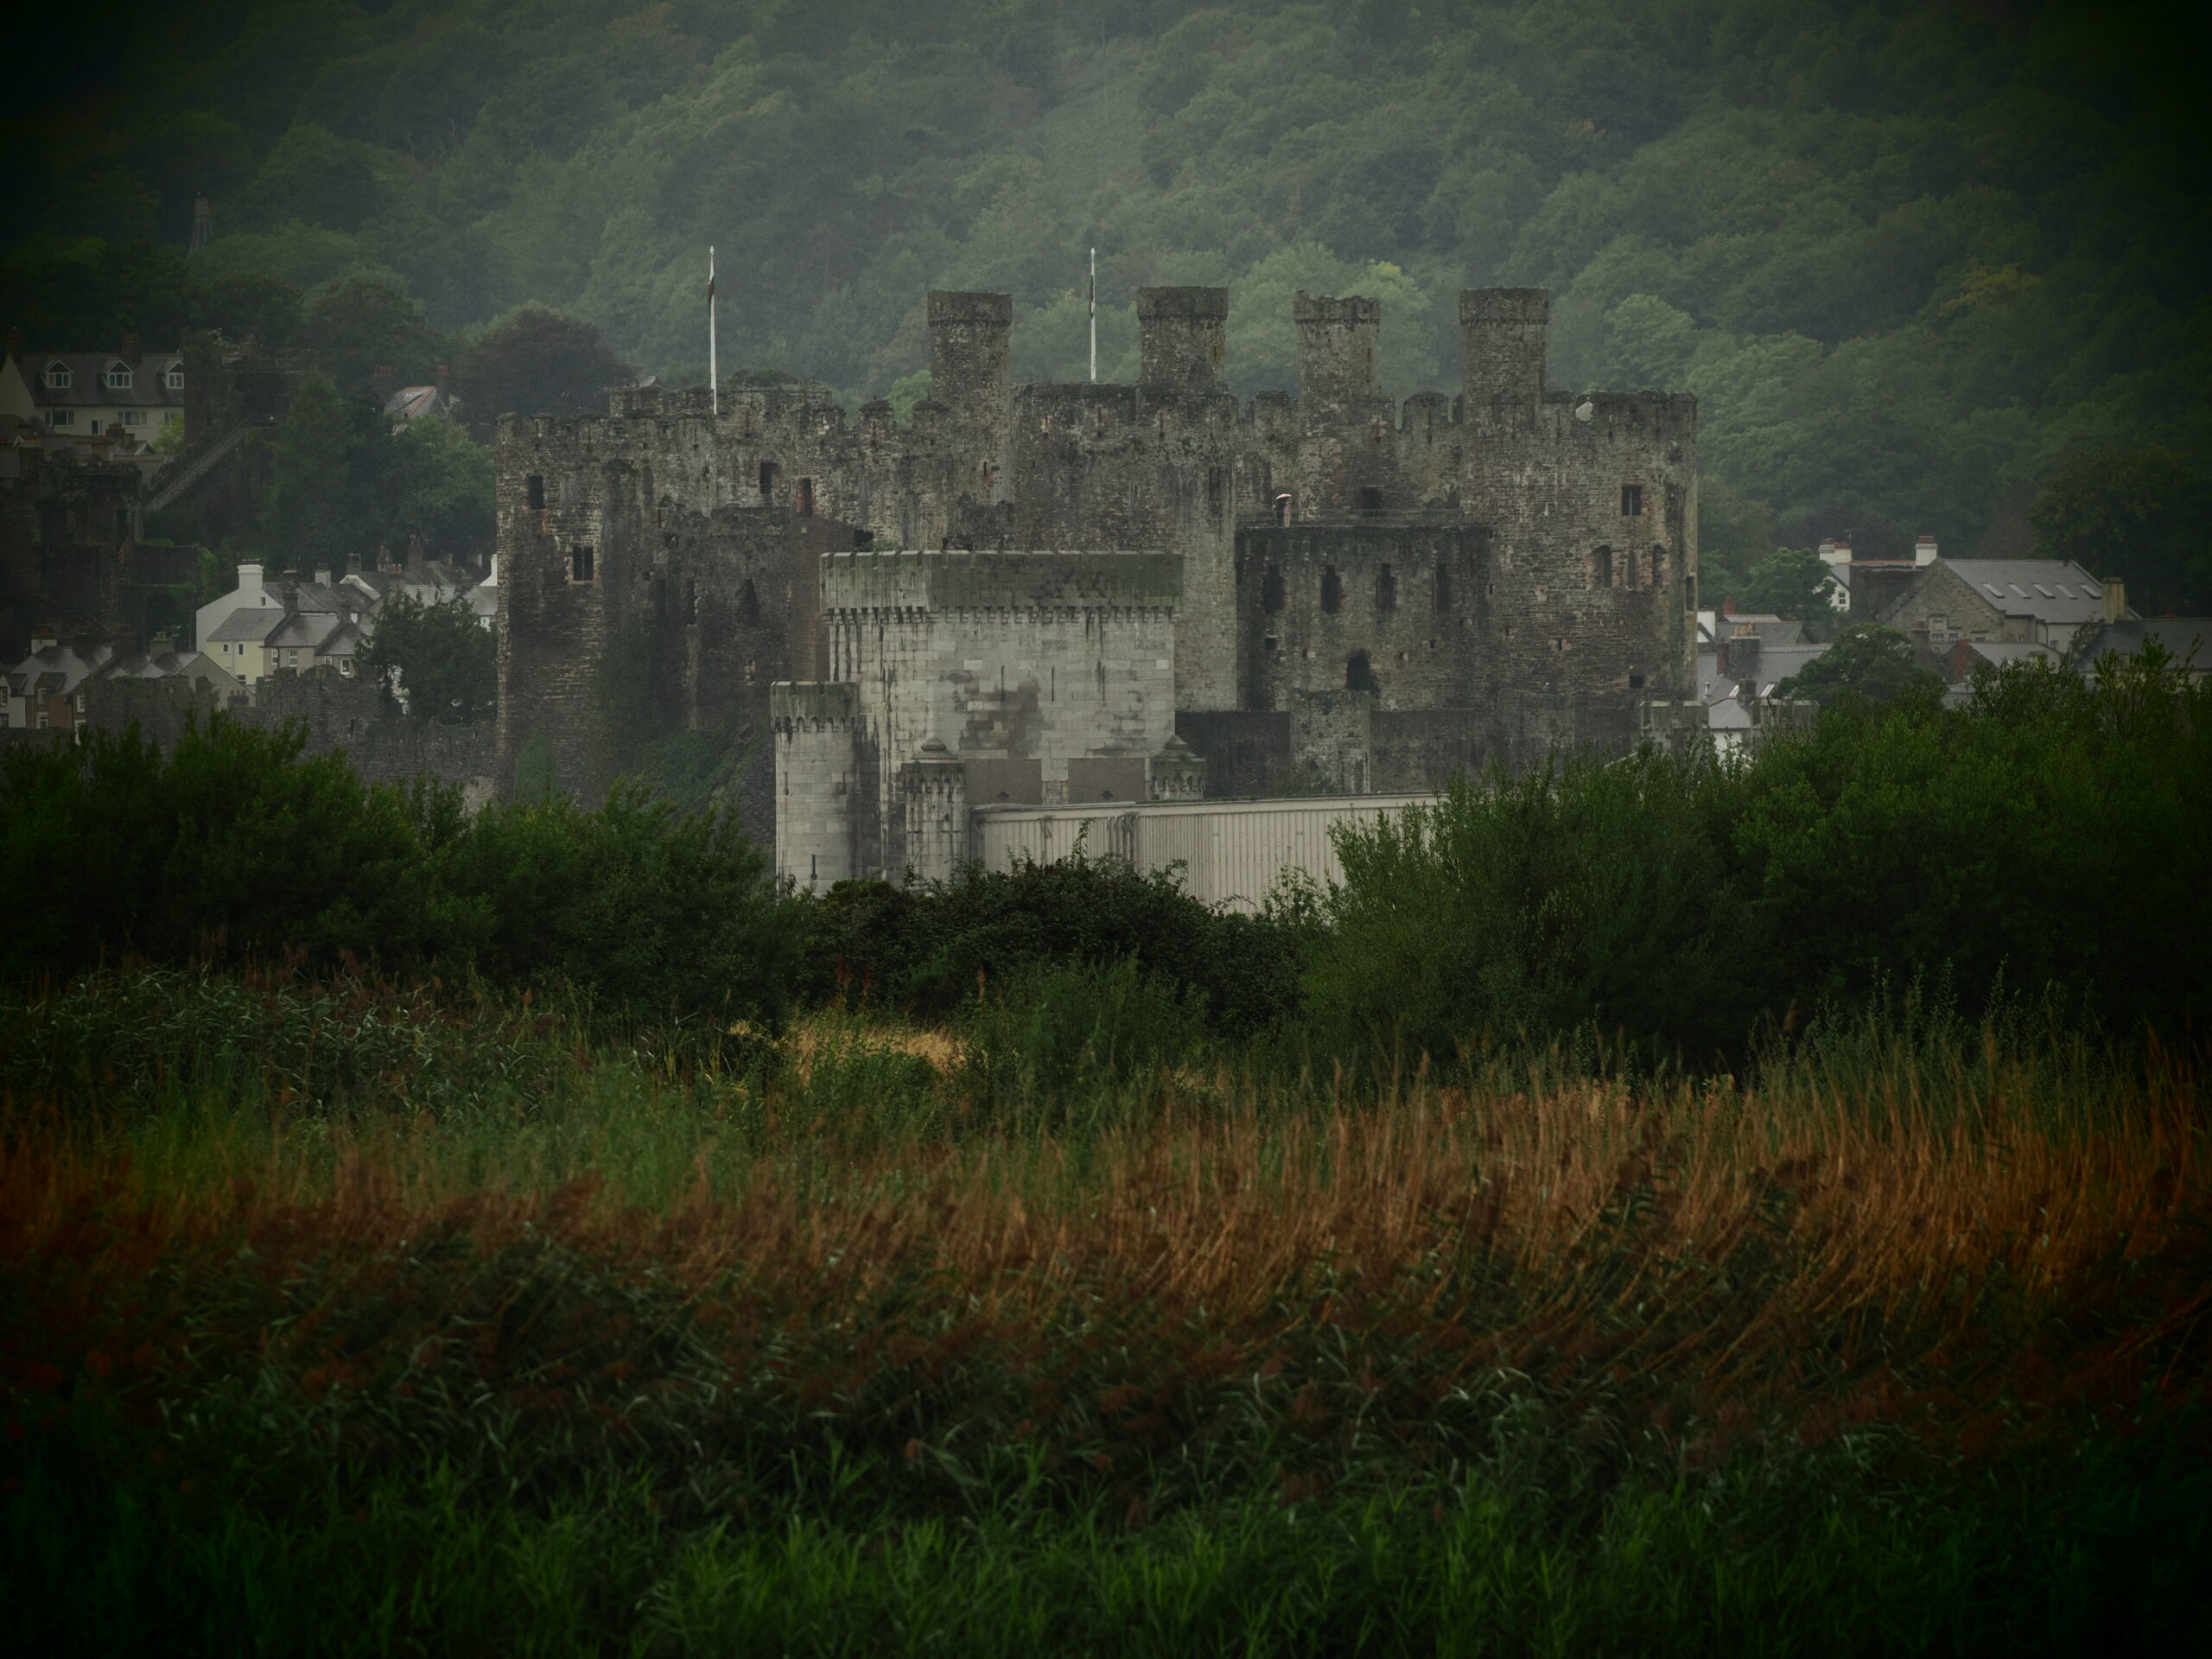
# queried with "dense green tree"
point(2143, 516)
point(1791, 581)
point(1867, 661)
point(314, 511)
point(537, 362)
point(363, 325)
point(441, 660)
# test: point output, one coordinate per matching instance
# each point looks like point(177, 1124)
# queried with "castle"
point(1044, 594)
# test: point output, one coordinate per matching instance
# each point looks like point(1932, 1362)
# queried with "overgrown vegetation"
point(836, 1351)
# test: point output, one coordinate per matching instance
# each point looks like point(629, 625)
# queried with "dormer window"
point(118, 377)
point(58, 376)
point(175, 378)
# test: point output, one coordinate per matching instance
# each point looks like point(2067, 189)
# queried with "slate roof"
point(88, 387)
point(2050, 590)
point(2182, 635)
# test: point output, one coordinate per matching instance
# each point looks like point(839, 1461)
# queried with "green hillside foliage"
point(1911, 258)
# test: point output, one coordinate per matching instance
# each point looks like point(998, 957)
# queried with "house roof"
point(2004, 651)
point(2050, 590)
point(254, 622)
point(2188, 638)
point(413, 402)
point(55, 668)
point(303, 629)
point(88, 387)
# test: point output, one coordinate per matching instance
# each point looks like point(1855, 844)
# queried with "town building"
point(131, 394)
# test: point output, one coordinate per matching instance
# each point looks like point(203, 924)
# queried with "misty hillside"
point(1909, 255)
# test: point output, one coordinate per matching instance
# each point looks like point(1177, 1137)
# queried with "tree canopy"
point(1866, 661)
point(1911, 259)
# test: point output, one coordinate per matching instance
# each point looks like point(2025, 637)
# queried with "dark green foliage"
point(235, 847)
point(660, 913)
point(361, 325)
point(2142, 515)
point(344, 483)
point(982, 936)
point(447, 662)
point(1059, 1038)
point(1791, 582)
point(2045, 843)
point(537, 362)
point(1905, 257)
point(1866, 661)
point(697, 768)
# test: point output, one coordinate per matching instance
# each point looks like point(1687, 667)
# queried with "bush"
point(236, 847)
point(928, 951)
point(2049, 839)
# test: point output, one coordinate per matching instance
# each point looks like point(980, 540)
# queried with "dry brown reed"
point(1929, 1249)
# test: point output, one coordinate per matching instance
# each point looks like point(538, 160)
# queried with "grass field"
point(342, 1318)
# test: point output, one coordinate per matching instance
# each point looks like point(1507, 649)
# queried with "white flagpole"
point(1094, 316)
point(713, 360)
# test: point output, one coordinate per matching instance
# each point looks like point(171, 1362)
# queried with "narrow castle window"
point(1271, 589)
point(1217, 489)
point(1359, 673)
point(804, 501)
point(1282, 509)
point(768, 483)
point(535, 487)
point(1631, 500)
point(1658, 564)
point(1370, 499)
point(1636, 682)
point(1386, 589)
point(691, 601)
point(1443, 588)
point(1689, 591)
point(748, 604)
point(581, 563)
point(1601, 568)
point(1332, 590)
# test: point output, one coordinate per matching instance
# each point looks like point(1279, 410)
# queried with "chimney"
point(291, 596)
point(1727, 608)
point(442, 379)
point(15, 342)
point(1740, 660)
point(45, 636)
point(164, 645)
point(2115, 600)
point(131, 349)
point(323, 578)
point(250, 585)
point(381, 381)
point(1924, 550)
point(1842, 550)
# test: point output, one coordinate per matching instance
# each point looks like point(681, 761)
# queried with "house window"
point(1332, 590)
point(1939, 625)
point(345, 666)
point(1601, 568)
point(1386, 589)
point(133, 417)
point(534, 490)
point(581, 564)
point(59, 377)
point(1631, 500)
point(61, 417)
point(175, 379)
point(118, 377)
point(1271, 589)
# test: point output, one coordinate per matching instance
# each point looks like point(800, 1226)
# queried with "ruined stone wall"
point(1592, 508)
point(1402, 609)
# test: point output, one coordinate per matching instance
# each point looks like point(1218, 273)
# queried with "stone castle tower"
point(1349, 592)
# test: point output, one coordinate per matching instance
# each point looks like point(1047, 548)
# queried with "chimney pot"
point(2115, 595)
point(131, 344)
point(1924, 550)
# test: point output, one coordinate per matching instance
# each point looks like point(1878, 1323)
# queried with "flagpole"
point(714, 362)
point(1094, 316)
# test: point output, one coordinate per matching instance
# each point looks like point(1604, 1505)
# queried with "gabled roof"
point(254, 622)
point(2050, 590)
point(88, 387)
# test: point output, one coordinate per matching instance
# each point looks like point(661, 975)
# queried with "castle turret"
point(936, 813)
point(968, 336)
point(815, 725)
point(1504, 329)
point(1337, 340)
point(1185, 338)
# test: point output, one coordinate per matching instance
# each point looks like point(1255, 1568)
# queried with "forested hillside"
point(1912, 257)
